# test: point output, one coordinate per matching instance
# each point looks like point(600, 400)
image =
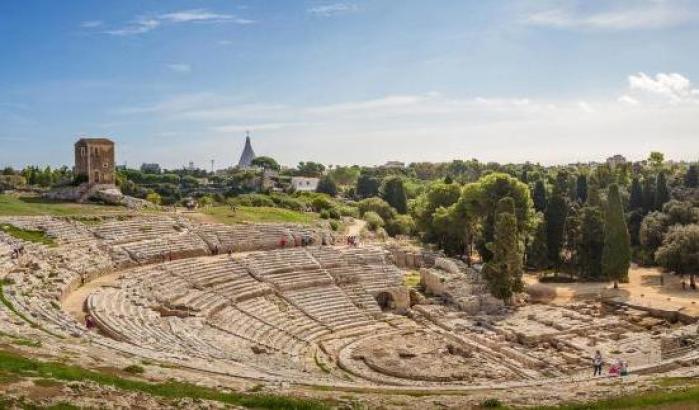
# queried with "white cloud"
point(640, 14)
point(329, 10)
point(436, 127)
point(91, 24)
point(180, 68)
point(145, 24)
point(625, 99)
point(672, 86)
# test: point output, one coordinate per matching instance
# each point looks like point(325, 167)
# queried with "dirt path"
point(356, 227)
point(644, 287)
point(75, 301)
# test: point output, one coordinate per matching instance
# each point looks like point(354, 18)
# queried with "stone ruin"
point(231, 300)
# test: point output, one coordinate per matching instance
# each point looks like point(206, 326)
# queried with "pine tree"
point(581, 188)
point(367, 186)
point(616, 255)
point(393, 191)
point(504, 272)
point(636, 196)
point(591, 243)
point(539, 196)
point(594, 197)
point(691, 178)
point(662, 192)
point(537, 254)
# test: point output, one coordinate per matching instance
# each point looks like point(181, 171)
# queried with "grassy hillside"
point(30, 206)
point(242, 214)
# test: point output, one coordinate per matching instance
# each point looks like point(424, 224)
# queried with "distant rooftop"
point(101, 141)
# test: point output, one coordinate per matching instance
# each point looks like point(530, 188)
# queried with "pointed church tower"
point(248, 154)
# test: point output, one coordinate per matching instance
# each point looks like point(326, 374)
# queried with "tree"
point(367, 186)
point(310, 169)
point(537, 254)
point(572, 241)
point(345, 175)
point(400, 225)
point(691, 178)
point(539, 195)
point(656, 160)
point(662, 193)
point(327, 185)
point(266, 163)
point(636, 195)
point(594, 197)
point(591, 243)
point(377, 205)
point(504, 272)
point(679, 251)
point(652, 232)
point(555, 216)
point(616, 254)
point(648, 194)
point(581, 188)
point(393, 191)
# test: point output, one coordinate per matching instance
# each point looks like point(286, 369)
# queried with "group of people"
point(17, 251)
point(305, 240)
point(353, 240)
point(618, 368)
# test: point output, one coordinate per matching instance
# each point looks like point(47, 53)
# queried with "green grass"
point(15, 364)
point(411, 279)
point(654, 400)
point(27, 235)
point(14, 205)
point(243, 214)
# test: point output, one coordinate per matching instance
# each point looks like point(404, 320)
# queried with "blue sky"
point(346, 82)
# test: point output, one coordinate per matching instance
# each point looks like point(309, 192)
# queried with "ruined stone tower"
point(248, 154)
point(94, 160)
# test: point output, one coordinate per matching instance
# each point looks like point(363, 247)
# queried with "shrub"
point(134, 369)
point(334, 225)
point(400, 225)
point(491, 403)
point(287, 202)
point(374, 220)
point(378, 206)
point(348, 211)
point(319, 203)
point(334, 213)
point(254, 200)
point(324, 214)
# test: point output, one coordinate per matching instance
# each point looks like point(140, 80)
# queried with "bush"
point(491, 404)
point(255, 200)
point(348, 211)
point(287, 202)
point(334, 213)
point(378, 206)
point(400, 225)
point(134, 369)
point(325, 214)
point(334, 225)
point(319, 203)
point(374, 220)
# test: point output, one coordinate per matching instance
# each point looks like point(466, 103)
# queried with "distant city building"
point(94, 160)
point(304, 184)
point(248, 154)
point(190, 167)
point(150, 168)
point(616, 160)
point(394, 165)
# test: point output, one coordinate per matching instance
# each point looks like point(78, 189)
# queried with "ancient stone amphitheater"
point(226, 300)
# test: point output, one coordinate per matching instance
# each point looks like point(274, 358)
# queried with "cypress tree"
point(594, 198)
point(581, 188)
point(327, 185)
point(591, 243)
point(648, 194)
point(393, 191)
point(504, 272)
point(691, 178)
point(555, 216)
point(636, 196)
point(537, 254)
point(572, 241)
point(662, 193)
point(539, 196)
point(616, 255)
point(367, 186)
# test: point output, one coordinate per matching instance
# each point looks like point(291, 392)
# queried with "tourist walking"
point(597, 363)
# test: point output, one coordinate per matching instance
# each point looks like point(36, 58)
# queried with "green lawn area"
point(13, 205)
point(17, 365)
point(242, 214)
point(27, 234)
